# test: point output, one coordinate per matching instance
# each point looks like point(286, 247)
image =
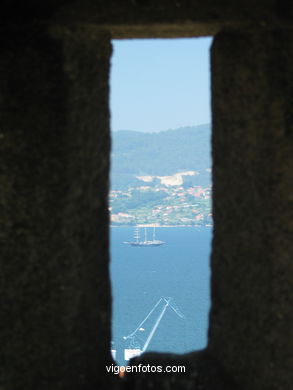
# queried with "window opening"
point(160, 197)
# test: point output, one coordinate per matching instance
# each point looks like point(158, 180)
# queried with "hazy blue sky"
point(160, 84)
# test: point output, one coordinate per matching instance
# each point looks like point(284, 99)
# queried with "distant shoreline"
point(163, 226)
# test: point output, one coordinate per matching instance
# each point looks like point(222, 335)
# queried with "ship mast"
point(136, 235)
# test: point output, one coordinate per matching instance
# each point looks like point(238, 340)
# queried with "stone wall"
point(54, 144)
point(253, 214)
point(55, 295)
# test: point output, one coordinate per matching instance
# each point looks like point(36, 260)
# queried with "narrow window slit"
point(160, 197)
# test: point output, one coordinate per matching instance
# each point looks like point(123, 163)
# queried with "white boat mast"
point(136, 234)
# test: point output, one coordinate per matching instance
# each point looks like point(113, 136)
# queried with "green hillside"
point(164, 153)
point(163, 201)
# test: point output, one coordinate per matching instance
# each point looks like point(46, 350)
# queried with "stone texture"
point(54, 160)
point(174, 18)
point(252, 174)
point(54, 140)
point(196, 371)
point(153, 18)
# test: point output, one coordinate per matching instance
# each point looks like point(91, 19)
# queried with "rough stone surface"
point(55, 296)
point(251, 321)
point(54, 160)
point(152, 18)
point(196, 371)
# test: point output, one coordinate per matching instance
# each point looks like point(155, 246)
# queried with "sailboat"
point(137, 241)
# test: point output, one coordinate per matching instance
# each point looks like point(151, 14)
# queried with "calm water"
point(141, 275)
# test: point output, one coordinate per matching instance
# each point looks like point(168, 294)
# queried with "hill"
point(136, 154)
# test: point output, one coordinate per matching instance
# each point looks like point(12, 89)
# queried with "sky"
point(160, 84)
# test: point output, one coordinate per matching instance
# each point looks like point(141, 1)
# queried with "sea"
point(141, 276)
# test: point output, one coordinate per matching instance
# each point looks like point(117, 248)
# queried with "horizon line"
point(160, 131)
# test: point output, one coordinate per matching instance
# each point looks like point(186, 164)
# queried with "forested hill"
point(159, 154)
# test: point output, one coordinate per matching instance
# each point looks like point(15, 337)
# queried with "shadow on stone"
point(196, 370)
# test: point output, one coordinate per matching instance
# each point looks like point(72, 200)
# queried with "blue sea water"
point(140, 276)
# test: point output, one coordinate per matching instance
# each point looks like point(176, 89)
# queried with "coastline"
point(163, 226)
